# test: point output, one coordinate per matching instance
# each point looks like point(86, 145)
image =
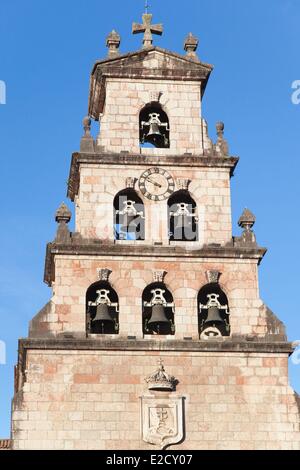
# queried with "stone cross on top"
point(148, 29)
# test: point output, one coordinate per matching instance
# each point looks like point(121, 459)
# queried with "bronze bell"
point(102, 315)
point(213, 316)
point(158, 318)
point(154, 135)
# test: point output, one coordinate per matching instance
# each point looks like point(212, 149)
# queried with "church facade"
point(155, 336)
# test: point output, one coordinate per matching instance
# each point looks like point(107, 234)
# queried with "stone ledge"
point(151, 345)
point(92, 247)
point(86, 344)
point(185, 160)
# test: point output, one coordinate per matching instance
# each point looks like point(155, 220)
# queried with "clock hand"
point(154, 182)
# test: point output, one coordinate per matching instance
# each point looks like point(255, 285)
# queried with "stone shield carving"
point(162, 420)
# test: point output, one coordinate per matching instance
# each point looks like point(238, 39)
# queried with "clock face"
point(156, 184)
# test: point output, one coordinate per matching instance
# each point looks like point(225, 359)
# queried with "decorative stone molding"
point(159, 275)
point(190, 46)
point(103, 274)
point(130, 182)
point(160, 380)
point(213, 276)
point(183, 183)
point(113, 42)
point(162, 420)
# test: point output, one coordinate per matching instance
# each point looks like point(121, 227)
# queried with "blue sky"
point(47, 49)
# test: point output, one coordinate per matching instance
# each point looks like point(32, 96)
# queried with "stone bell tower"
point(155, 334)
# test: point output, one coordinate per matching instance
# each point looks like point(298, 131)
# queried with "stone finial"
point(148, 29)
point(190, 46)
point(130, 182)
point(247, 220)
point(159, 275)
point(220, 126)
point(213, 276)
point(160, 380)
point(62, 217)
point(87, 141)
point(103, 274)
point(87, 126)
point(113, 42)
point(63, 214)
point(221, 146)
point(183, 183)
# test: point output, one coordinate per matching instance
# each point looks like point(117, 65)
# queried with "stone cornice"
point(128, 159)
point(271, 345)
point(100, 344)
point(85, 247)
point(140, 54)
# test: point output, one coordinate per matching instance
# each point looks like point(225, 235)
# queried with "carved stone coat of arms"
point(162, 420)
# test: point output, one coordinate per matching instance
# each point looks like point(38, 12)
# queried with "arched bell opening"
point(154, 126)
point(158, 310)
point(102, 309)
point(213, 312)
point(129, 216)
point(182, 217)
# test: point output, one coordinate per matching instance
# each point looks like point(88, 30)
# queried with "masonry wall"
point(130, 275)
point(209, 187)
point(119, 129)
point(90, 400)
